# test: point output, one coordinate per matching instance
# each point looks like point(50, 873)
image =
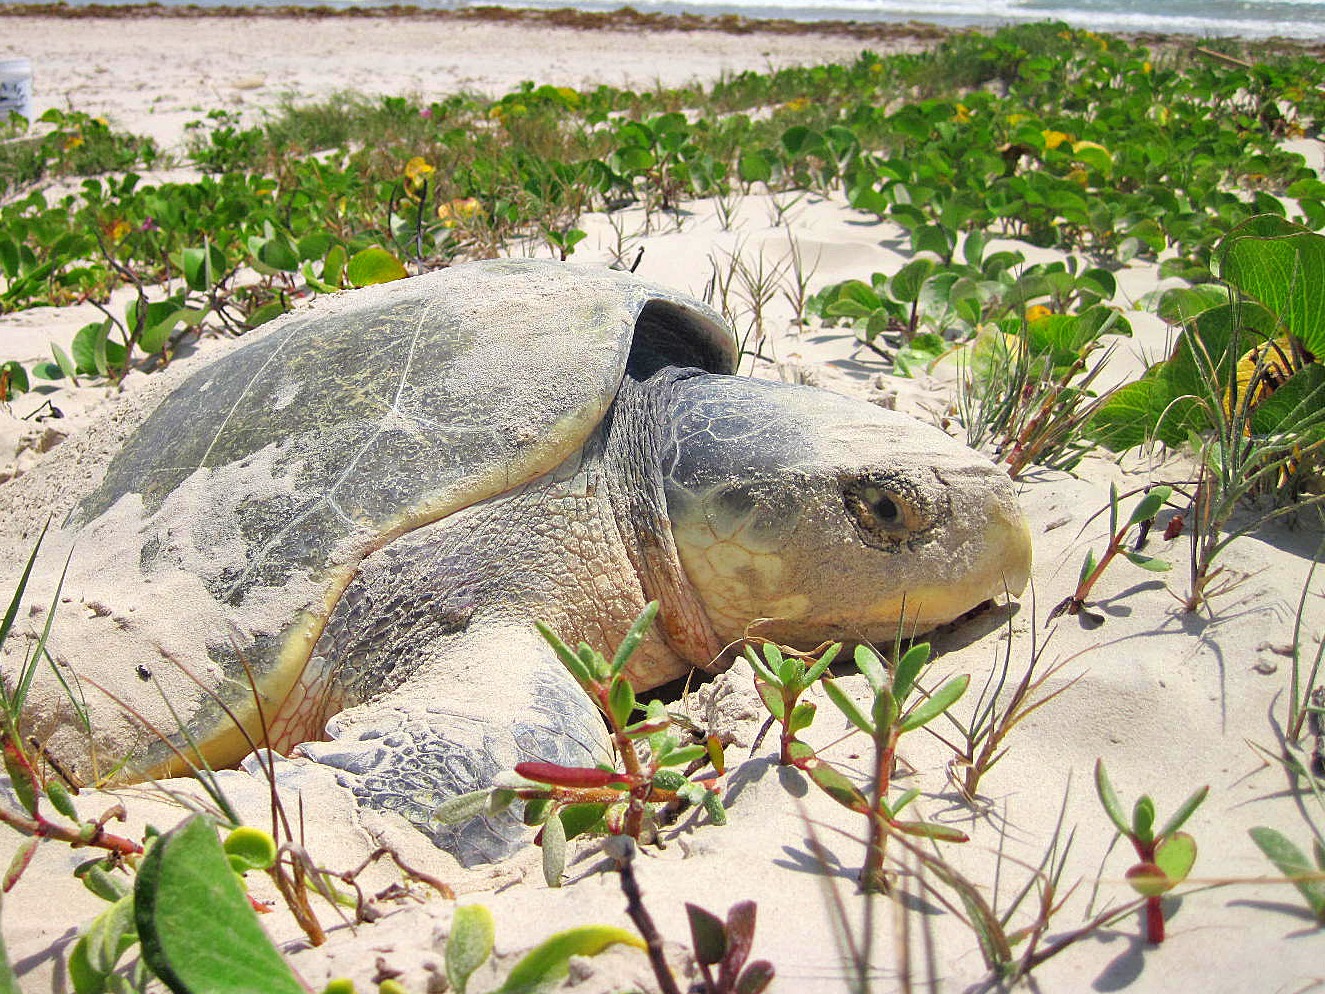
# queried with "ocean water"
point(1301, 19)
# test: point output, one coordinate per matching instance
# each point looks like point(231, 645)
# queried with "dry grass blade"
point(1300, 690)
point(799, 275)
point(982, 739)
point(997, 942)
point(12, 701)
point(1051, 436)
point(1030, 414)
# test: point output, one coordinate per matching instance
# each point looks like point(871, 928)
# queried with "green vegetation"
point(726, 945)
point(782, 677)
point(1166, 856)
point(998, 709)
point(1244, 389)
point(1141, 518)
point(1301, 753)
point(1307, 875)
point(75, 144)
point(885, 718)
point(1026, 133)
point(625, 805)
point(193, 921)
point(780, 681)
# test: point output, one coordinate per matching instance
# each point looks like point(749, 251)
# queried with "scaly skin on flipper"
point(409, 750)
point(367, 506)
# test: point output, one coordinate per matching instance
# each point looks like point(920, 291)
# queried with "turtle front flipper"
point(449, 730)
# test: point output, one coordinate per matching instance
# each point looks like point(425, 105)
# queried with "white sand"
point(1169, 701)
point(157, 74)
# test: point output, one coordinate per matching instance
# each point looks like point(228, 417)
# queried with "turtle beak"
point(1007, 555)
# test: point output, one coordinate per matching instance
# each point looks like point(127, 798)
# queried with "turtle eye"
point(882, 513)
point(885, 509)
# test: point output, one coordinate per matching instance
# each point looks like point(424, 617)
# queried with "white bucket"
point(15, 88)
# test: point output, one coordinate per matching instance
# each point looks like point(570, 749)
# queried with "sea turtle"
point(354, 517)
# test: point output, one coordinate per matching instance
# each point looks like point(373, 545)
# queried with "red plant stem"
point(1021, 453)
point(88, 834)
point(872, 877)
point(1083, 588)
point(788, 736)
point(639, 793)
point(1154, 920)
point(602, 691)
point(295, 892)
point(1154, 907)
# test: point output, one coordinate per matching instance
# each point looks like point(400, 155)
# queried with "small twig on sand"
point(621, 849)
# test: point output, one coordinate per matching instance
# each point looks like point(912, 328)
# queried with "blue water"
point(1302, 19)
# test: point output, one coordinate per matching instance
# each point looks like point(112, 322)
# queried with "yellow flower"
point(1052, 139)
point(1270, 364)
point(455, 212)
point(119, 229)
point(1037, 311)
point(797, 104)
point(72, 142)
point(417, 171)
point(1261, 371)
point(1146, 67)
point(963, 115)
point(502, 111)
point(102, 121)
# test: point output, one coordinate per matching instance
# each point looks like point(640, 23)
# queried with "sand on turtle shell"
point(118, 610)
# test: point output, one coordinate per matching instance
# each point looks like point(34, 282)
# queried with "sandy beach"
point(1169, 701)
point(155, 74)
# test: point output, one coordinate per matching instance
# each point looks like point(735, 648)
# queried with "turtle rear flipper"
point(436, 737)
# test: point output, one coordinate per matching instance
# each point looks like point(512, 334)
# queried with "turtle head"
point(832, 518)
